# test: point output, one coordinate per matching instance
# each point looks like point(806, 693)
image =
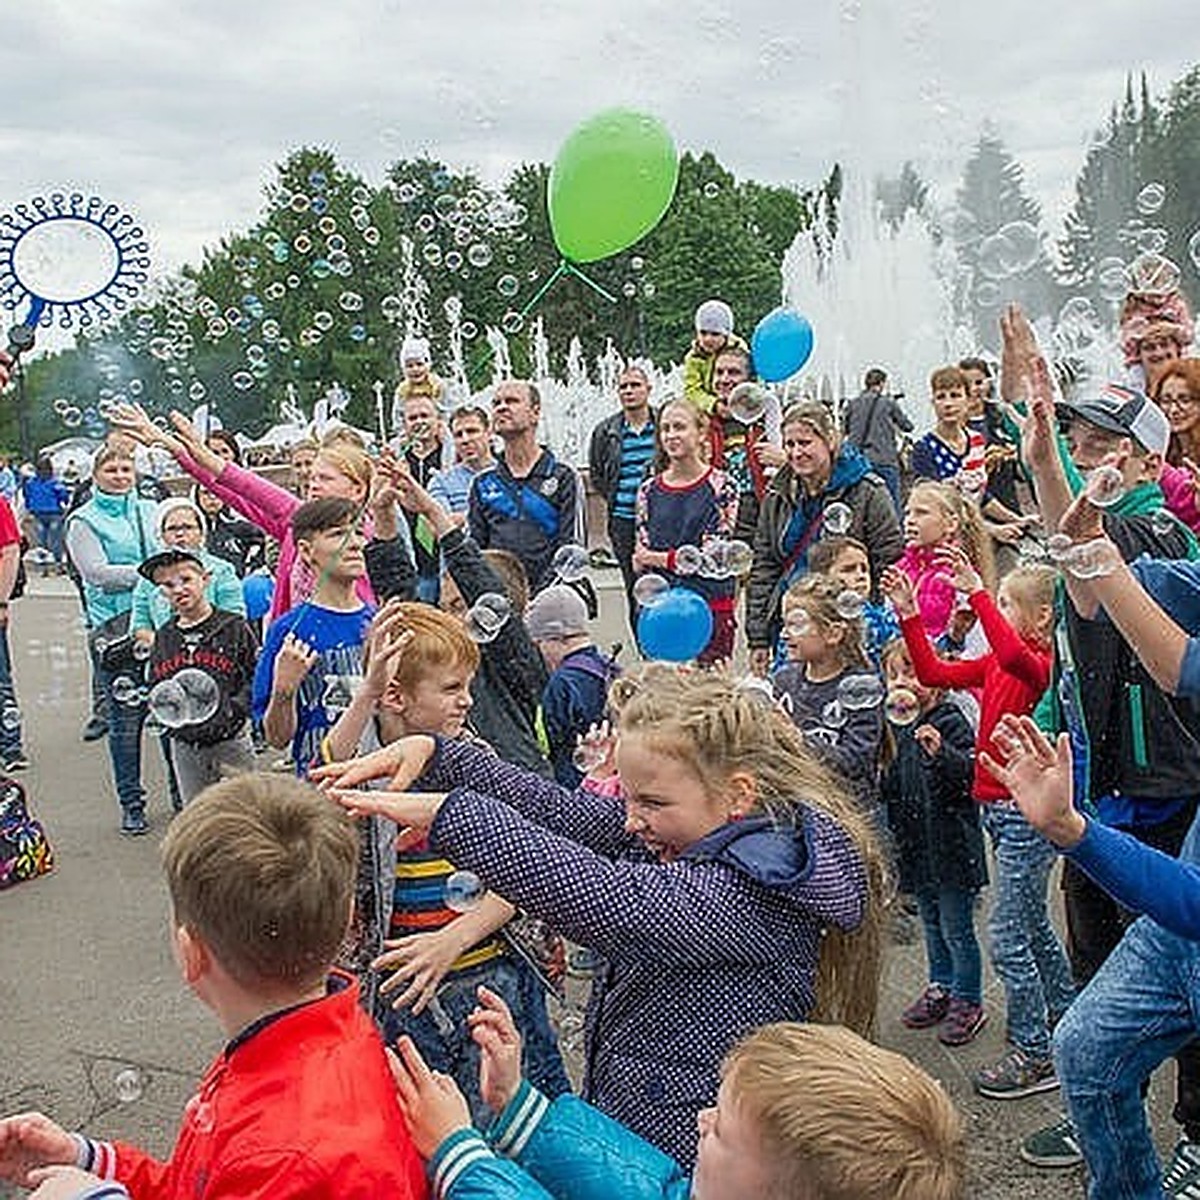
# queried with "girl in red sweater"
point(1026, 952)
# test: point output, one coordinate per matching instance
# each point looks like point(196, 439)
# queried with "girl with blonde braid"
point(733, 883)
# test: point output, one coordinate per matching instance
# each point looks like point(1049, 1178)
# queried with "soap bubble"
point(512, 322)
point(358, 333)
point(1153, 240)
point(992, 259)
point(508, 285)
point(124, 690)
point(1023, 246)
point(902, 706)
point(688, 560)
point(1193, 248)
point(464, 891)
point(1058, 546)
point(833, 716)
point(391, 307)
point(487, 617)
point(856, 692)
point(201, 692)
point(987, 294)
point(350, 302)
point(72, 418)
point(837, 519)
point(1150, 199)
point(1153, 274)
point(849, 605)
point(128, 1085)
point(649, 589)
point(243, 381)
point(431, 252)
point(712, 190)
point(168, 705)
point(141, 650)
point(10, 718)
point(323, 320)
point(739, 556)
point(469, 330)
point(797, 624)
point(479, 254)
point(570, 563)
point(1163, 523)
point(453, 260)
point(452, 308)
point(748, 402)
point(1105, 486)
point(426, 223)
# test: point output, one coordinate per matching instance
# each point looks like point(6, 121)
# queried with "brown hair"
point(705, 720)
point(818, 596)
point(316, 516)
point(825, 552)
point(841, 1119)
point(946, 378)
point(438, 640)
point(972, 536)
point(262, 868)
point(225, 438)
point(513, 577)
point(471, 410)
point(818, 417)
point(1187, 369)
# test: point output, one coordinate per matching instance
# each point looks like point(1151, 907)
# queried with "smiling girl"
point(733, 885)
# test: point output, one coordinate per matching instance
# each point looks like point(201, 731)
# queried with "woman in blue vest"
point(107, 538)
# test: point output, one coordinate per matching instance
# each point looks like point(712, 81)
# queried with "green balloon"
point(613, 179)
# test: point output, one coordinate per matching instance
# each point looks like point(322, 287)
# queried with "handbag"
point(114, 645)
point(25, 851)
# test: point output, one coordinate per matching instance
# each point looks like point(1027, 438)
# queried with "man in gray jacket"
point(871, 420)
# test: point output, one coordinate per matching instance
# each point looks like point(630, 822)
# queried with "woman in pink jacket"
point(1176, 390)
point(341, 470)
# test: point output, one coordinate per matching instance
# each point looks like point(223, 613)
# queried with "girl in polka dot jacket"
point(730, 885)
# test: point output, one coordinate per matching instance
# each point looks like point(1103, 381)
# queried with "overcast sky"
point(177, 110)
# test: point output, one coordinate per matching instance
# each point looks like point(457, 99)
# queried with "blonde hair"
point(262, 868)
point(841, 1119)
point(438, 640)
point(972, 536)
point(714, 727)
point(818, 417)
point(349, 458)
point(818, 596)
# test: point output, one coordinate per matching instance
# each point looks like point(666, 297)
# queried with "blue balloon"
point(676, 627)
point(257, 591)
point(781, 344)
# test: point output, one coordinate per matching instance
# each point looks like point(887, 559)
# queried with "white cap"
point(714, 316)
point(415, 349)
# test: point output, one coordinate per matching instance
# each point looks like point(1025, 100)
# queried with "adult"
point(46, 498)
point(528, 503)
point(425, 452)
point(744, 452)
point(301, 458)
point(12, 755)
point(620, 455)
point(471, 431)
point(223, 443)
point(340, 470)
point(871, 421)
point(108, 537)
point(821, 471)
point(1176, 390)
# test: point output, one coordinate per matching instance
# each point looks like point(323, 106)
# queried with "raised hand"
point(432, 1105)
point(293, 662)
point(403, 762)
point(954, 560)
point(499, 1043)
point(385, 648)
point(898, 588)
point(410, 810)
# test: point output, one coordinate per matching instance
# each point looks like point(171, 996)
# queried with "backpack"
point(25, 851)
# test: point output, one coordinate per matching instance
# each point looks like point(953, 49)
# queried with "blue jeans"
point(1026, 952)
point(1138, 1010)
point(428, 588)
point(444, 1038)
point(50, 534)
point(891, 476)
point(951, 946)
point(125, 742)
point(10, 739)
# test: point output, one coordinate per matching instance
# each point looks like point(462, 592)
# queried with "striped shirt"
point(637, 450)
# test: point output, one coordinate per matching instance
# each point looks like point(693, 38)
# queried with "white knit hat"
point(415, 349)
point(714, 316)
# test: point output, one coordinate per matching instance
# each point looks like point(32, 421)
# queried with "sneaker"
point(17, 762)
point(1017, 1074)
point(1181, 1180)
point(1052, 1147)
point(962, 1023)
point(95, 729)
point(134, 823)
point(928, 1009)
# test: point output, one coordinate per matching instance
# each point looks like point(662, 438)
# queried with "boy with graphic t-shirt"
point(312, 657)
point(211, 735)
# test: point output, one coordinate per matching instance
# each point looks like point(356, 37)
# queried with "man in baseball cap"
point(1121, 411)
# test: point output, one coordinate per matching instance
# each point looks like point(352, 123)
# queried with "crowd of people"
point(897, 635)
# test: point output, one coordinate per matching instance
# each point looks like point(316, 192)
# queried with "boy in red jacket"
point(300, 1103)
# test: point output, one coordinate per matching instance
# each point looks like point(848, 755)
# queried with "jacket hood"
point(777, 856)
point(850, 466)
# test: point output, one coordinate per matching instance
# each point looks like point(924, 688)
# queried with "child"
point(312, 656)
point(221, 645)
point(1026, 952)
point(419, 667)
point(936, 518)
point(300, 1102)
point(688, 503)
point(846, 561)
point(939, 851)
point(419, 379)
point(828, 687)
point(807, 1112)
point(714, 333)
point(736, 885)
point(576, 693)
point(952, 450)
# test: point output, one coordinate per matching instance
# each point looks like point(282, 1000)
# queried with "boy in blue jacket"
point(804, 1111)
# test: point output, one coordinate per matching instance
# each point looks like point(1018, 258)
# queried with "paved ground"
point(96, 1029)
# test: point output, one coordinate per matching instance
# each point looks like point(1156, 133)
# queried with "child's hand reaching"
point(495, 1034)
point(385, 647)
point(929, 739)
point(596, 753)
point(898, 588)
point(954, 561)
point(431, 1102)
point(29, 1141)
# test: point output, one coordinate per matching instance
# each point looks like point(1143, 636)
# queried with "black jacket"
point(933, 819)
point(604, 454)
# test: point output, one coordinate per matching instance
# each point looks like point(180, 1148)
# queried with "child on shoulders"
point(714, 333)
